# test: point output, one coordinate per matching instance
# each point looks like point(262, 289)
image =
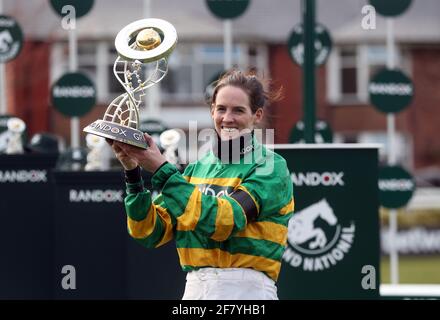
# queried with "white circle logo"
point(316, 240)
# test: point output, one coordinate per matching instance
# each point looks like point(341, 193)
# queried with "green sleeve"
point(271, 191)
point(216, 218)
point(148, 222)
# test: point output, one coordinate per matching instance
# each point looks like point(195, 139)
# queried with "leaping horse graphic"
point(301, 228)
point(5, 40)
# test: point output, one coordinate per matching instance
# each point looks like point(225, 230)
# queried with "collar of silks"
point(234, 149)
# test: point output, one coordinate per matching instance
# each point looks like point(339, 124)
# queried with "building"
point(260, 37)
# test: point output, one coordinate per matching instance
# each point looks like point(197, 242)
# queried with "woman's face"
point(232, 113)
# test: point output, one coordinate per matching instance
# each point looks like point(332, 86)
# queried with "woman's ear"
point(258, 115)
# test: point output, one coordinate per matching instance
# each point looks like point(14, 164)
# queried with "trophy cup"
point(143, 47)
point(16, 128)
point(169, 140)
point(98, 157)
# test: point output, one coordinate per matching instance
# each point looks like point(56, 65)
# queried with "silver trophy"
point(99, 154)
point(16, 128)
point(169, 141)
point(143, 47)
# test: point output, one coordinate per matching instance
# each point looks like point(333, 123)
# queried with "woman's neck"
point(232, 150)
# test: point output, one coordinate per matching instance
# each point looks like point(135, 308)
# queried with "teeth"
point(229, 129)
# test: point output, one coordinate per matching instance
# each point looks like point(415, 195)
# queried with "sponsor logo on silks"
point(154, 194)
point(246, 149)
point(396, 185)
point(313, 248)
point(23, 176)
point(95, 195)
point(214, 190)
point(314, 179)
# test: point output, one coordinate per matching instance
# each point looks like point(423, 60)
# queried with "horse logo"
point(317, 240)
point(302, 228)
point(5, 41)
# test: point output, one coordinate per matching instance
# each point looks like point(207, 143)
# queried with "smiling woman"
point(227, 212)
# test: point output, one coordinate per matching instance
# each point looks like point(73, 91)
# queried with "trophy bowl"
point(143, 47)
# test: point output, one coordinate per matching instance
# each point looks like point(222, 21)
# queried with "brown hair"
point(257, 89)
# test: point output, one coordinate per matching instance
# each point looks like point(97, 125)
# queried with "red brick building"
point(260, 37)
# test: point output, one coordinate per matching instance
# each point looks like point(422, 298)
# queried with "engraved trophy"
point(143, 47)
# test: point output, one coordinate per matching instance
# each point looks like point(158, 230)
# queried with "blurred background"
point(260, 38)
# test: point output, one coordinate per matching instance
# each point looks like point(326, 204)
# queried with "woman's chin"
point(229, 136)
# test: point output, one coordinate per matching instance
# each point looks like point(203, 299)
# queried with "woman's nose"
point(228, 116)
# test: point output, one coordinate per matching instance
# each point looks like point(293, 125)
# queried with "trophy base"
point(117, 132)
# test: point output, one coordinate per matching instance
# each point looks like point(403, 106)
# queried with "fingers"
point(116, 148)
point(149, 139)
point(151, 144)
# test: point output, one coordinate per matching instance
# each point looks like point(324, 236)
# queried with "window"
point(348, 72)
point(191, 68)
point(113, 87)
point(403, 144)
point(350, 69)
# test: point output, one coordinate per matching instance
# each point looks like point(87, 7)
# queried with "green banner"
point(82, 7)
point(390, 8)
point(11, 38)
point(333, 239)
point(323, 44)
point(73, 94)
point(323, 132)
point(396, 187)
point(390, 91)
point(227, 9)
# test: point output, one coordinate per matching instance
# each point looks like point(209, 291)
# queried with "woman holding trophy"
point(226, 213)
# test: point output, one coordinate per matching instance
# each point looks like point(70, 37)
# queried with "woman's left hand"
point(149, 159)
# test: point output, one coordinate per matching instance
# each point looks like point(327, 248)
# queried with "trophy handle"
point(122, 110)
point(130, 74)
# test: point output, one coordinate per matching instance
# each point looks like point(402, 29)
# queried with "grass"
point(413, 269)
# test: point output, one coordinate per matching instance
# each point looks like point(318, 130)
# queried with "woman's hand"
point(149, 159)
point(126, 161)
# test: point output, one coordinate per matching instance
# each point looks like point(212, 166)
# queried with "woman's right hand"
point(126, 162)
